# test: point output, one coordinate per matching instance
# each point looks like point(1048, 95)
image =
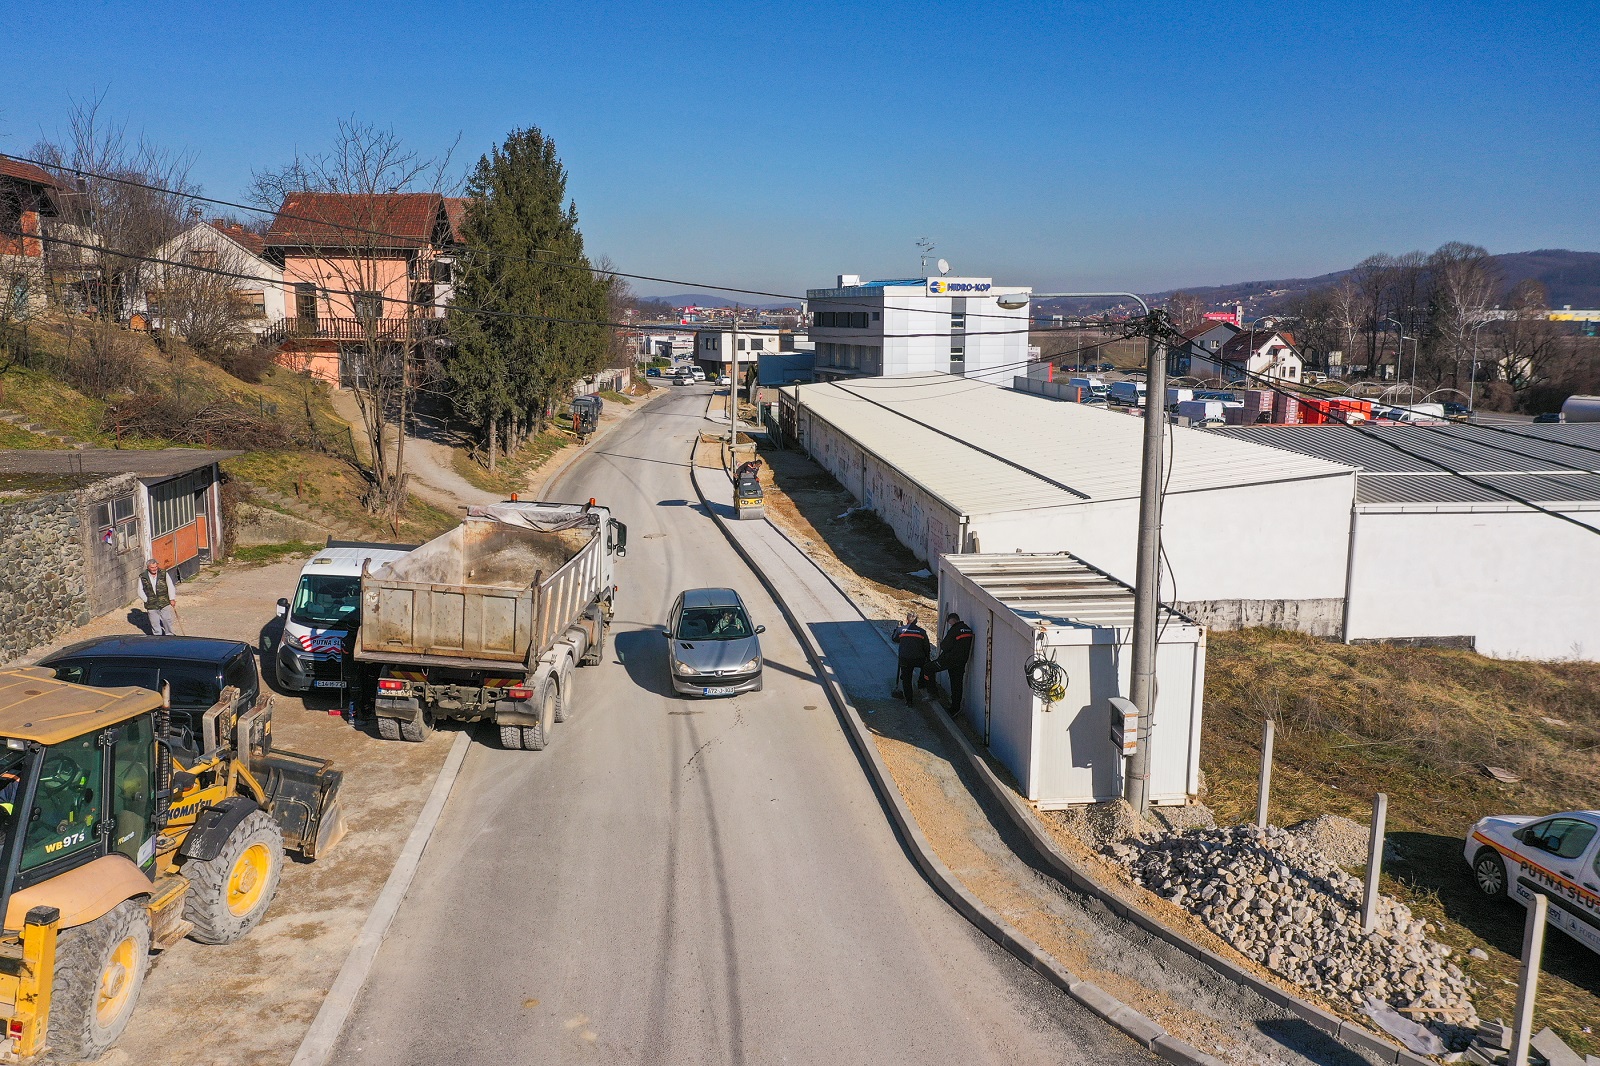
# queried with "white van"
point(325, 610)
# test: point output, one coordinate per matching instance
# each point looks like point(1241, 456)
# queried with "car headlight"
point(685, 668)
point(753, 664)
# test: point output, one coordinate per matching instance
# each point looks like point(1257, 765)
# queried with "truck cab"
point(324, 611)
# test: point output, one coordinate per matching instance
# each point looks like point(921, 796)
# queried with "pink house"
point(358, 268)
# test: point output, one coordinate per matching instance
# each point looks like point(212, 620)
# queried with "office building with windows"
point(717, 346)
point(917, 326)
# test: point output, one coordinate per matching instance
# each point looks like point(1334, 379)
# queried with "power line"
point(799, 300)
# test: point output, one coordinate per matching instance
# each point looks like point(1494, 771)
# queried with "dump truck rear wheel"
point(389, 728)
point(100, 968)
point(566, 704)
point(535, 737)
point(418, 728)
point(229, 895)
point(511, 737)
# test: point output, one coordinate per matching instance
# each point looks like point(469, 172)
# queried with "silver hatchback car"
point(712, 647)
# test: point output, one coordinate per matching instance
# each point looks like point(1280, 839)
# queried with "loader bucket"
point(303, 796)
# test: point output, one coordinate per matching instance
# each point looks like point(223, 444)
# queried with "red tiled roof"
point(1251, 341)
point(254, 243)
point(456, 208)
point(385, 220)
point(1206, 327)
point(16, 168)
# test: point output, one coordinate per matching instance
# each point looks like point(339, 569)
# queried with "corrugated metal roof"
point(984, 449)
point(1548, 464)
point(1059, 589)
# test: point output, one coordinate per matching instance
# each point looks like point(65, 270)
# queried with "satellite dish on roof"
point(944, 266)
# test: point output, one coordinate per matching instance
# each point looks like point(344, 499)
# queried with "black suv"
point(197, 669)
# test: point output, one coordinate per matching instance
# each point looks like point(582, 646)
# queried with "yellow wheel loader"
point(120, 834)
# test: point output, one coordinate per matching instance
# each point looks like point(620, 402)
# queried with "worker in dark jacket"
point(911, 640)
point(955, 650)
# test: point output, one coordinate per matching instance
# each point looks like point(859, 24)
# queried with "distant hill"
point(700, 299)
point(1571, 278)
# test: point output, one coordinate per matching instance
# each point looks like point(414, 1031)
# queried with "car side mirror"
point(761, 629)
point(283, 607)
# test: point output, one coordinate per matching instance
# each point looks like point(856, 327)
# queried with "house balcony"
point(397, 330)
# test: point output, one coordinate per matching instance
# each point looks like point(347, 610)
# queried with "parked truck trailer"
point(489, 621)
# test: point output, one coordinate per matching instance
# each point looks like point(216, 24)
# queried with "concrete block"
point(1554, 1049)
point(1172, 1049)
point(1136, 1025)
point(1096, 998)
point(1315, 1016)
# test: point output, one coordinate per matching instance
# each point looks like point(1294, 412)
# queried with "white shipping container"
point(1195, 410)
point(1066, 611)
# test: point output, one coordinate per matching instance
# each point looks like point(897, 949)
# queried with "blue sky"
point(1080, 145)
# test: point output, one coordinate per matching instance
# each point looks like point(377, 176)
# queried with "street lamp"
point(1146, 604)
point(1400, 351)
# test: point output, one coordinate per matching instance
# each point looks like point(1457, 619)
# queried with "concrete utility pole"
point(1146, 601)
point(1147, 575)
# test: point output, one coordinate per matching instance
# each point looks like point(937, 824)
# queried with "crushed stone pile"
point(1338, 839)
point(1284, 904)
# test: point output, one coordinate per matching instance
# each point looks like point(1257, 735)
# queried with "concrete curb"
point(1137, 1026)
point(1067, 870)
point(639, 403)
point(316, 1047)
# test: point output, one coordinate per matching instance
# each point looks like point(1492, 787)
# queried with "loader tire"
point(229, 895)
point(389, 728)
point(417, 730)
point(100, 969)
point(511, 737)
point(566, 703)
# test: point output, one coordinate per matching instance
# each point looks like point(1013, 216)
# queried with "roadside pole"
point(1369, 900)
point(1146, 594)
point(1264, 787)
point(733, 389)
point(1528, 978)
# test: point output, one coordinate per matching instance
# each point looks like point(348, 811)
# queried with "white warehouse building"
point(918, 326)
point(1442, 559)
point(1253, 535)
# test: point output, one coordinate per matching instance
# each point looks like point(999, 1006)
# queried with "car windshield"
point(326, 600)
point(193, 684)
point(713, 623)
point(1565, 838)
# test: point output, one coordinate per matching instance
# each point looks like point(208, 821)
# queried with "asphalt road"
point(676, 881)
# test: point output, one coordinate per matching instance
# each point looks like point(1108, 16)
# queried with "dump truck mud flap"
point(525, 713)
point(303, 796)
point(404, 708)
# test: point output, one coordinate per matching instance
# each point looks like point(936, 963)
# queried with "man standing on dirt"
point(955, 650)
point(160, 599)
point(911, 640)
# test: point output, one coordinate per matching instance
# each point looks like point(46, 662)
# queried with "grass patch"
point(611, 396)
point(271, 553)
point(512, 473)
point(1417, 723)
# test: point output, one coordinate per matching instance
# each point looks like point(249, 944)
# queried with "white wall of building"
point(203, 245)
point(1525, 585)
point(923, 325)
point(718, 345)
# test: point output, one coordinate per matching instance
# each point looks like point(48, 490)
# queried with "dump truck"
point(489, 621)
point(122, 833)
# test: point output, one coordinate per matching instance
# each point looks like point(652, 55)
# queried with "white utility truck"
point(488, 621)
point(314, 649)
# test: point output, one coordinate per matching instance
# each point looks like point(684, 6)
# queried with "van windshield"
point(325, 600)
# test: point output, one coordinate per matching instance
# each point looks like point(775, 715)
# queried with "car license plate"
point(716, 692)
point(327, 684)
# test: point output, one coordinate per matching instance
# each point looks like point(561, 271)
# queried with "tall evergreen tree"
point(527, 308)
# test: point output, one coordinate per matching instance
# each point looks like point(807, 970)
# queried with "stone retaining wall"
point(43, 586)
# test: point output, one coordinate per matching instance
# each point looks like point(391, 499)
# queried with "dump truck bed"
point(497, 590)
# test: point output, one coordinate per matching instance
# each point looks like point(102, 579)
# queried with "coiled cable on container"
point(1046, 678)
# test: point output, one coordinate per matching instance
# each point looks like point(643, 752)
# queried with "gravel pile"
point(1282, 903)
point(1339, 839)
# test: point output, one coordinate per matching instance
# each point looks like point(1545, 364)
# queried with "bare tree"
point(123, 199)
point(1464, 281)
point(1186, 310)
point(349, 219)
point(1530, 344)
